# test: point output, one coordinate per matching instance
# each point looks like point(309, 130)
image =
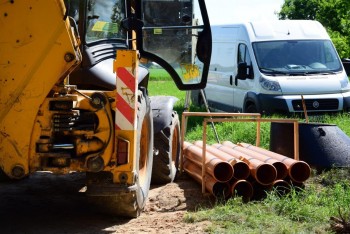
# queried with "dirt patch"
point(46, 203)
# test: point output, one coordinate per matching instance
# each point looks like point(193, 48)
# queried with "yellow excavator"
point(74, 93)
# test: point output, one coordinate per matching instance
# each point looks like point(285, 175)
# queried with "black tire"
point(251, 108)
point(167, 142)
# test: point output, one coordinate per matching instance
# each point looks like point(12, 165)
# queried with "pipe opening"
point(281, 169)
point(242, 188)
point(300, 171)
point(241, 171)
point(221, 190)
point(266, 174)
point(282, 187)
point(223, 171)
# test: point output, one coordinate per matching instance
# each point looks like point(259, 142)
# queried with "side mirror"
point(243, 72)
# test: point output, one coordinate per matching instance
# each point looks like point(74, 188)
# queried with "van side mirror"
point(242, 72)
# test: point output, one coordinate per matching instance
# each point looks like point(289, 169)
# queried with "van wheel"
point(167, 141)
point(251, 108)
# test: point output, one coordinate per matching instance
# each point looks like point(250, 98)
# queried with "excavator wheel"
point(167, 142)
point(144, 148)
point(130, 201)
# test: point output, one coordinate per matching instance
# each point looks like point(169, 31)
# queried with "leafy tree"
point(333, 14)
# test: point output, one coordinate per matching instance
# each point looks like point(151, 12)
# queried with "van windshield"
point(296, 57)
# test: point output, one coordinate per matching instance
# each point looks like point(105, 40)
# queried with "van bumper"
point(271, 104)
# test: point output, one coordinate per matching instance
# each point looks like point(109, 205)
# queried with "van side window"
point(244, 57)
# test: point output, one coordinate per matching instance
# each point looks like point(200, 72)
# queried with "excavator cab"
point(174, 34)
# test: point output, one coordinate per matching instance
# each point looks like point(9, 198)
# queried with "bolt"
point(18, 172)
point(96, 101)
point(69, 57)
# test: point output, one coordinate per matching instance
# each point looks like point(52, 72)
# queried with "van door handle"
point(231, 79)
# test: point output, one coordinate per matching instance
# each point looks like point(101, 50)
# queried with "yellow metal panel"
point(34, 41)
point(126, 105)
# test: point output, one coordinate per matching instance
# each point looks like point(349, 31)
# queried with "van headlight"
point(344, 83)
point(269, 85)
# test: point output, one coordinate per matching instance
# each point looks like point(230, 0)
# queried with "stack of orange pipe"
point(298, 171)
point(240, 169)
point(193, 164)
point(267, 170)
point(281, 168)
point(220, 170)
point(262, 172)
point(239, 185)
point(216, 188)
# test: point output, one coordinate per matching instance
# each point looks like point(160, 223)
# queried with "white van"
point(266, 66)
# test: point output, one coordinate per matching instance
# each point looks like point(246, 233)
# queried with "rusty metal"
point(281, 168)
point(217, 168)
point(298, 171)
point(262, 172)
point(304, 109)
point(216, 188)
point(241, 169)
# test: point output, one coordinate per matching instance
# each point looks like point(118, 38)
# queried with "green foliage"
point(159, 74)
point(333, 14)
point(299, 9)
point(341, 43)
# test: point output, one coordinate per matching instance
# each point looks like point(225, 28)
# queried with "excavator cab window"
point(172, 33)
point(176, 35)
point(103, 20)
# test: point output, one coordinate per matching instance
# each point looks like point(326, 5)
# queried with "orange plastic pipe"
point(242, 188)
point(217, 168)
point(298, 171)
point(241, 169)
point(282, 187)
point(281, 168)
point(262, 172)
point(260, 191)
point(216, 188)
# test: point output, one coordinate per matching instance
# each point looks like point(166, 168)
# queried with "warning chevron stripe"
point(125, 99)
point(122, 123)
point(127, 78)
point(125, 109)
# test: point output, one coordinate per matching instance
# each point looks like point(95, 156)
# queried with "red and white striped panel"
point(126, 99)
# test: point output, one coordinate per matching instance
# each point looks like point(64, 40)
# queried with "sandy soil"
point(46, 203)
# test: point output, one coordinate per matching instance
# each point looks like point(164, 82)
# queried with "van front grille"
point(316, 104)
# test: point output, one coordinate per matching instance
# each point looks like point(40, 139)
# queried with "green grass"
point(301, 211)
point(159, 74)
point(305, 211)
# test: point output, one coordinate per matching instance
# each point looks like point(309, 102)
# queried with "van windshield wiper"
point(305, 73)
point(273, 71)
point(321, 72)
